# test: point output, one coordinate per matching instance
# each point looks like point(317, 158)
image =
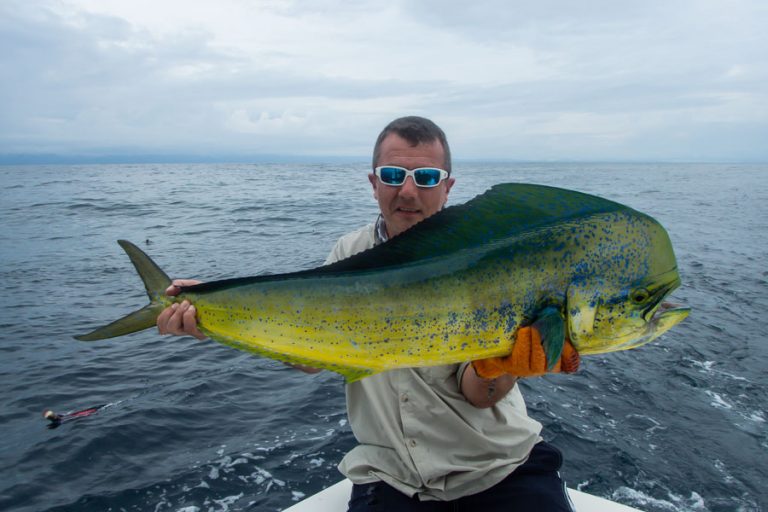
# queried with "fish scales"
point(456, 287)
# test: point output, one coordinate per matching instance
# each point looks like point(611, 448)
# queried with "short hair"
point(416, 130)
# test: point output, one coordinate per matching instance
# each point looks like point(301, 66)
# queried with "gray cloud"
point(672, 80)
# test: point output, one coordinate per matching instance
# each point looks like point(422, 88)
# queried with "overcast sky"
point(674, 80)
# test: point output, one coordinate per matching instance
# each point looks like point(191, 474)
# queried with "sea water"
point(677, 425)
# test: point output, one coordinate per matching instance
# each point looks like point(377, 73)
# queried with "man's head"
point(410, 142)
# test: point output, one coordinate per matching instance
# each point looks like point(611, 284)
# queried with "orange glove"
point(527, 358)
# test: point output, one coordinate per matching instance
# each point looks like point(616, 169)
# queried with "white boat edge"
point(336, 497)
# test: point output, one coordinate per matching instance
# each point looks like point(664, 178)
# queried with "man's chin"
point(402, 223)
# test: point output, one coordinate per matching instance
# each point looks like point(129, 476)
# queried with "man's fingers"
point(519, 363)
point(190, 323)
point(570, 359)
point(163, 317)
point(173, 325)
point(538, 361)
point(489, 368)
point(177, 284)
point(179, 319)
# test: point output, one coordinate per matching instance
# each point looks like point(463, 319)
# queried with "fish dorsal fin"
point(501, 212)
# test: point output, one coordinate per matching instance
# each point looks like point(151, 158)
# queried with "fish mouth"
point(660, 294)
point(665, 317)
point(668, 315)
point(660, 319)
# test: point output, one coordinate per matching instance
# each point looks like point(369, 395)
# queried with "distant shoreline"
point(139, 159)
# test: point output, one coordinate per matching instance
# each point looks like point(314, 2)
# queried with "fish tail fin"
point(155, 282)
point(139, 320)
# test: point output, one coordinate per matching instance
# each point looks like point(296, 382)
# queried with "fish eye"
point(640, 295)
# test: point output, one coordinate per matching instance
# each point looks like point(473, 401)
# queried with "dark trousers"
point(535, 486)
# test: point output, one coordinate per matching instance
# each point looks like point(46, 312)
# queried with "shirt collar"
point(380, 233)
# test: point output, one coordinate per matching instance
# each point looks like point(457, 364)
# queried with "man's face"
point(406, 205)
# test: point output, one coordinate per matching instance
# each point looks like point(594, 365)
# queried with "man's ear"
point(374, 184)
point(448, 184)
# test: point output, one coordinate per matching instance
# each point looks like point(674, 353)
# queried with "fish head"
point(626, 308)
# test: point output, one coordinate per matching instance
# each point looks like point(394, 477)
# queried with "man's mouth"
point(408, 211)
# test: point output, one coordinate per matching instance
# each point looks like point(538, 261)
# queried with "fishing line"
point(55, 419)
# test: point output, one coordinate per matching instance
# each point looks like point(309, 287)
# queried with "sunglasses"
point(424, 177)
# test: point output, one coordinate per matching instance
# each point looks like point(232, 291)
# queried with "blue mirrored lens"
point(392, 175)
point(427, 177)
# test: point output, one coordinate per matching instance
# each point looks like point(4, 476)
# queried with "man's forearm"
point(485, 393)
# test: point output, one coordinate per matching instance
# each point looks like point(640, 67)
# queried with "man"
point(453, 437)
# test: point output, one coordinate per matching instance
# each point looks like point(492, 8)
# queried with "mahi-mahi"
point(455, 287)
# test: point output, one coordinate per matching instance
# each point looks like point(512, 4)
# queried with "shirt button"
point(413, 443)
point(404, 398)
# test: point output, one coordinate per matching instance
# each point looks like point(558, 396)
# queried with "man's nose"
point(409, 187)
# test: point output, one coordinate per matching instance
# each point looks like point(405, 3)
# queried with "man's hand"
point(179, 319)
point(527, 358)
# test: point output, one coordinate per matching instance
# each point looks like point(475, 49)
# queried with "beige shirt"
point(420, 435)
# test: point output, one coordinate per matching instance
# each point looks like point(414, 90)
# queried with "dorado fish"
point(456, 287)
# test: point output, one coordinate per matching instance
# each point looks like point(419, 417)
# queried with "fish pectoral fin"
point(551, 326)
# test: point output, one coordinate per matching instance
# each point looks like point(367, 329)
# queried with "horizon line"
point(9, 159)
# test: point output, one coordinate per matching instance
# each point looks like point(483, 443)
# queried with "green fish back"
point(504, 211)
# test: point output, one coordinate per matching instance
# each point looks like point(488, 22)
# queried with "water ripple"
point(675, 426)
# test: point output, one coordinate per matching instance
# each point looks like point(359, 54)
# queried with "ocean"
point(677, 425)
